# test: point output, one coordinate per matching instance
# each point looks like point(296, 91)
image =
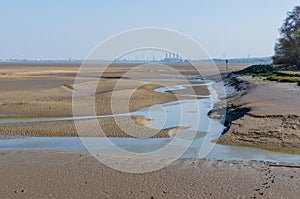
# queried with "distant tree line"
point(287, 48)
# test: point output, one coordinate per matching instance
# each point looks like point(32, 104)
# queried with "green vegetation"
point(283, 78)
point(256, 69)
point(288, 73)
point(271, 73)
point(287, 54)
point(287, 49)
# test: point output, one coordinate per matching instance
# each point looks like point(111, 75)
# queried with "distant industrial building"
point(173, 58)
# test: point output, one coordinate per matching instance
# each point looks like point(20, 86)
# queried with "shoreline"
point(57, 174)
point(237, 110)
point(251, 122)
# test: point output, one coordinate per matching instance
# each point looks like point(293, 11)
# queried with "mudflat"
point(35, 91)
point(264, 114)
point(78, 175)
point(45, 90)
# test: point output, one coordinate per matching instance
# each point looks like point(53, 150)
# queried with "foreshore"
point(262, 114)
point(33, 91)
point(42, 174)
point(58, 174)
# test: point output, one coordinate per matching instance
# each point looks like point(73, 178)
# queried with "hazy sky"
point(62, 29)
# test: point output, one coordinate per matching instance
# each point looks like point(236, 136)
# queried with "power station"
point(172, 57)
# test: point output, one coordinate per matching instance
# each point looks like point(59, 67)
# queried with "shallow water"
point(143, 145)
point(146, 145)
point(188, 113)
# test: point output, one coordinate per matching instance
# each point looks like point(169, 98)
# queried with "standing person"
point(226, 64)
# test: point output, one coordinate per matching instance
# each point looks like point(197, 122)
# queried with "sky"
point(63, 29)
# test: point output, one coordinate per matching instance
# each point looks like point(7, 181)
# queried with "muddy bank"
point(261, 114)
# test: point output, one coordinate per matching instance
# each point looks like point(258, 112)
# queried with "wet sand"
point(45, 90)
point(78, 175)
point(264, 114)
point(45, 174)
point(136, 125)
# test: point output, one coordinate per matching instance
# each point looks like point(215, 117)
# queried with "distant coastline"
point(78, 61)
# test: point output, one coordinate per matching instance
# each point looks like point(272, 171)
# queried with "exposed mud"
point(250, 121)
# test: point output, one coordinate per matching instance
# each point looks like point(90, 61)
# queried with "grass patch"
point(271, 73)
point(283, 78)
point(288, 73)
